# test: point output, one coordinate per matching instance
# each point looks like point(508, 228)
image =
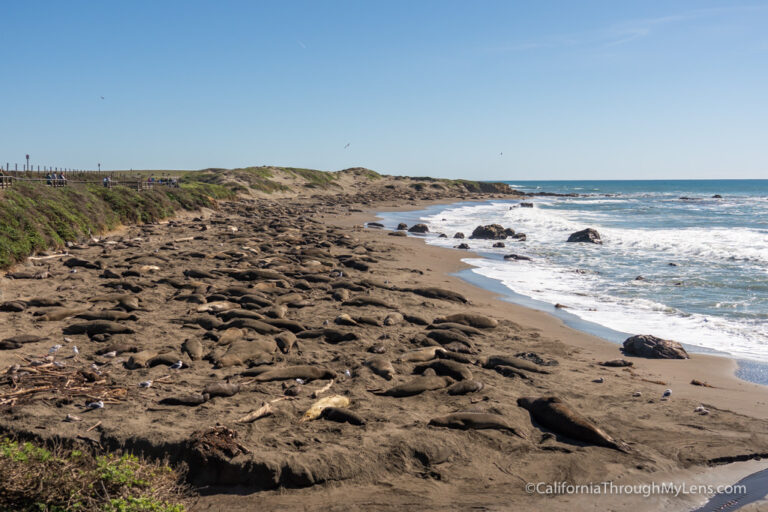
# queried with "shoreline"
point(717, 371)
point(396, 459)
point(747, 370)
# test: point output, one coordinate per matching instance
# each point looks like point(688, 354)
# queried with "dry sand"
point(396, 460)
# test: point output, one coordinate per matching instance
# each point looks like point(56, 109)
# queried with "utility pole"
point(28, 163)
point(99, 166)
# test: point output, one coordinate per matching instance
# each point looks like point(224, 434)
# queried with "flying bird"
point(348, 143)
point(102, 97)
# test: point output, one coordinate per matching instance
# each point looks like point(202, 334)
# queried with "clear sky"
point(476, 89)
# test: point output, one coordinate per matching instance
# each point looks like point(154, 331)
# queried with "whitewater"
point(676, 261)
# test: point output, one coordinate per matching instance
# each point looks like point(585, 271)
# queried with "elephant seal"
point(475, 421)
point(285, 341)
point(439, 293)
point(55, 314)
point(465, 386)
point(553, 413)
point(97, 327)
point(341, 415)
point(190, 400)
point(417, 386)
point(471, 319)
point(193, 348)
point(19, 340)
point(221, 389)
point(421, 355)
point(456, 371)
point(381, 366)
point(515, 362)
point(114, 316)
point(304, 372)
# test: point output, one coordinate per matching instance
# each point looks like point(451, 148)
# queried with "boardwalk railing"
point(107, 181)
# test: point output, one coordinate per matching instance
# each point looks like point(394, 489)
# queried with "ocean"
point(675, 261)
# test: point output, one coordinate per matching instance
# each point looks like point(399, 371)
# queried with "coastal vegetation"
point(40, 479)
point(36, 218)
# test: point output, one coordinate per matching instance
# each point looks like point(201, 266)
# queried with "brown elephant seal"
point(221, 389)
point(189, 400)
point(194, 348)
point(465, 387)
point(475, 421)
point(439, 293)
point(421, 355)
point(471, 319)
point(55, 314)
point(381, 366)
point(285, 341)
point(514, 362)
point(553, 413)
point(342, 415)
point(456, 371)
point(19, 340)
point(97, 327)
point(304, 372)
point(417, 386)
point(114, 316)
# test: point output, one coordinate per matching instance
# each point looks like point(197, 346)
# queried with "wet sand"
point(287, 270)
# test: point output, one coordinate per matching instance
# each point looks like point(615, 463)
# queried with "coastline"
point(717, 371)
point(396, 460)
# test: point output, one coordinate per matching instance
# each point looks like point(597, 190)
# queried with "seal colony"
point(333, 353)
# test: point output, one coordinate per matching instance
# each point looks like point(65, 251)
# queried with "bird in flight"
point(102, 97)
point(348, 143)
point(501, 154)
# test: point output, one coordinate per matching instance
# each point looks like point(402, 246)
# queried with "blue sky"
point(488, 90)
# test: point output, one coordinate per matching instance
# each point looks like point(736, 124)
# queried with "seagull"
point(667, 393)
point(54, 349)
point(145, 384)
point(599, 380)
point(110, 354)
point(75, 350)
point(102, 97)
point(177, 365)
point(96, 405)
point(348, 143)
point(501, 154)
point(299, 381)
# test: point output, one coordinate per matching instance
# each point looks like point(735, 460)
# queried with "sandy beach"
point(299, 285)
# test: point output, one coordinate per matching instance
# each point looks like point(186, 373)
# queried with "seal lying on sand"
point(305, 372)
point(475, 421)
point(417, 386)
point(551, 412)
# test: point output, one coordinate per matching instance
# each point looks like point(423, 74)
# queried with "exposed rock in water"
point(526, 205)
point(499, 244)
point(419, 228)
point(462, 246)
point(459, 235)
point(516, 257)
point(492, 232)
point(402, 226)
point(588, 235)
point(645, 345)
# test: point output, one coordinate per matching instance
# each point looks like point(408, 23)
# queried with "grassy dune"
point(34, 217)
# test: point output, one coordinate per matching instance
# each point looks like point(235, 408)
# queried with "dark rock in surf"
point(492, 232)
point(588, 235)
